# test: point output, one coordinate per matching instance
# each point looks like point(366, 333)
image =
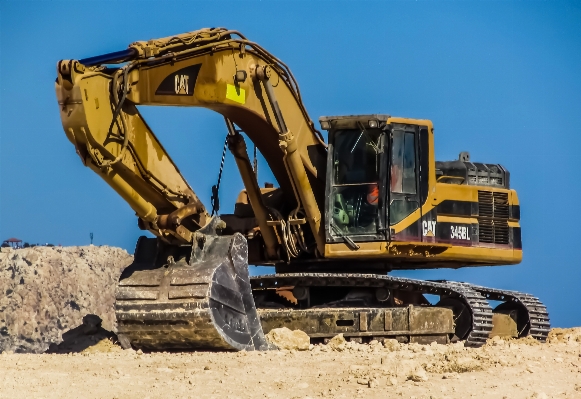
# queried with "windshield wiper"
point(369, 138)
point(357, 142)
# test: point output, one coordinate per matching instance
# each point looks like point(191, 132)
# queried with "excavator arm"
point(217, 69)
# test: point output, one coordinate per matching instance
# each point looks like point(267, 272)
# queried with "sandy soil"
point(500, 369)
point(48, 291)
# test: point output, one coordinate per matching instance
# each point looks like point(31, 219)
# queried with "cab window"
point(402, 176)
point(356, 157)
point(403, 165)
point(355, 191)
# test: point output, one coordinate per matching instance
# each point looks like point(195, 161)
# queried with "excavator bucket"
point(205, 303)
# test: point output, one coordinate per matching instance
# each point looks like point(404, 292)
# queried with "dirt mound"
point(45, 291)
point(564, 335)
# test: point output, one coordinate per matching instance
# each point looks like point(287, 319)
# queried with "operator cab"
point(376, 176)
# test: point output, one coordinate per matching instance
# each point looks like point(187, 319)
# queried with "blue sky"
point(499, 79)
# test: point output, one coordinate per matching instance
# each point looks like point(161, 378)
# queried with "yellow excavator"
point(345, 213)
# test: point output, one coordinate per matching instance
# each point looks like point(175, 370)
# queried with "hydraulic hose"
point(117, 114)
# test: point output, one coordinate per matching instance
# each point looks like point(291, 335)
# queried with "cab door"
point(356, 169)
point(403, 193)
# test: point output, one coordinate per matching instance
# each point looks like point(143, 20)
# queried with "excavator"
point(343, 215)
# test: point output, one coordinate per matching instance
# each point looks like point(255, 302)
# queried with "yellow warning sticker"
point(234, 93)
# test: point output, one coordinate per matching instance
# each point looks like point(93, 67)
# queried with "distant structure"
point(12, 242)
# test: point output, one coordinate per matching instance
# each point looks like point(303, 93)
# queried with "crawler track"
point(534, 318)
point(475, 302)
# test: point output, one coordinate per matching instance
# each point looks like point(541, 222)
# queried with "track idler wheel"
point(462, 316)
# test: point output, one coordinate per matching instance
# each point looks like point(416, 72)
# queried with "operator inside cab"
point(355, 189)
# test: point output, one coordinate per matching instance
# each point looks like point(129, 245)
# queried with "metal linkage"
point(237, 146)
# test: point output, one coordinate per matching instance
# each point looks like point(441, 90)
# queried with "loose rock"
point(283, 338)
point(337, 343)
point(418, 375)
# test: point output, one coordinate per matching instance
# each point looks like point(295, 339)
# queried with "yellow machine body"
point(347, 210)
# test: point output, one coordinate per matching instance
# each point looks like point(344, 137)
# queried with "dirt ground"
point(500, 369)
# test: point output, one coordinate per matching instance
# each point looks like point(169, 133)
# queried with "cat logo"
point(179, 83)
point(429, 228)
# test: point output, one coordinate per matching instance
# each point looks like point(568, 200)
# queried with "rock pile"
point(46, 291)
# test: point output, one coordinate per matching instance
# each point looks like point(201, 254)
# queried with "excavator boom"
point(208, 68)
